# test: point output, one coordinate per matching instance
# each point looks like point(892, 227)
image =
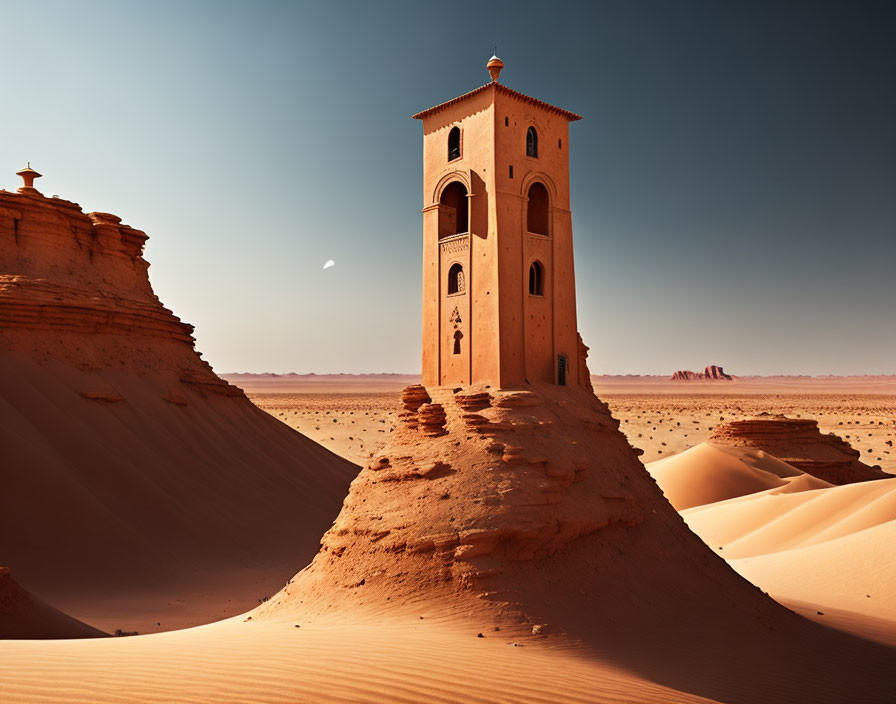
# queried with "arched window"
point(457, 338)
point(454, 144)
point(538, 209)
point(456, 282)
point(531, 142)
point(453, 219)
point(536, 279)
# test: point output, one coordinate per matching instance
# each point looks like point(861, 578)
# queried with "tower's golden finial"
point(494, 67)
point(28, 175)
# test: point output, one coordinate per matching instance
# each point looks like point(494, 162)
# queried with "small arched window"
point(531, 142)
point(536, 279)
point(453, 210)
point(454, 144)
point(456, 283)
point(457, 338)
point(538, 209)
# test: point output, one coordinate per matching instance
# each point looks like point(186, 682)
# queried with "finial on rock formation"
point(494, 67)
point(28, 175)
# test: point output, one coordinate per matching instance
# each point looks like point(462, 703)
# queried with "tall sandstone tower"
point(499, 305)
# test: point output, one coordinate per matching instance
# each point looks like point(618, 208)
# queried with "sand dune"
point(632, 610)
point(772, 520)
point(826, 552)
point(707, 474)
point(541, 521)
point(855, 573)
point(23, 615)
point(325, 660)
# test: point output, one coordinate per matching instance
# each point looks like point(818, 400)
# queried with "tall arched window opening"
point(531, 142)
point(453, 212)
point(457, 338)
point(536, 279)
point(456, 283)
point(454, 144)
point(538, 209)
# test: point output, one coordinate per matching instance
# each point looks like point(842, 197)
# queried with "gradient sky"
point(733, 181)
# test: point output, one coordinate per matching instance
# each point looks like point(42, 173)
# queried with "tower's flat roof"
point(571, 116)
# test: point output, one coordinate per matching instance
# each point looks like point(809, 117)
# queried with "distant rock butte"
point(799, 443)
point(710, 373)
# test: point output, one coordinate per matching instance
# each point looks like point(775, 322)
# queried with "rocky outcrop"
point(799, 443)
point(710, 373)
point(134, 467)
point(475, 477)
point(65, 274)
point(685, 376)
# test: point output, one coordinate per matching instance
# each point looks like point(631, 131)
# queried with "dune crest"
point(708, 473)
point(24, 616)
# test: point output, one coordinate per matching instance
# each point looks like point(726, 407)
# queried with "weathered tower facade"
point(499, 302)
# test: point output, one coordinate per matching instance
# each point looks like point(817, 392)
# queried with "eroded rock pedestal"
point(506, 498)
point(798, 442)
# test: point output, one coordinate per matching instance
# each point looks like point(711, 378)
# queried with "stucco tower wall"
point(476, 307)
point(533, 329)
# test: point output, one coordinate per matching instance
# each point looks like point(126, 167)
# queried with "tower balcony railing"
point(455, 236)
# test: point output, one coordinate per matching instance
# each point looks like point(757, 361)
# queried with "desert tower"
point(499, 304)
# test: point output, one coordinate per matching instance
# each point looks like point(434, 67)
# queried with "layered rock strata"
point(128, 466)
point(799, 443)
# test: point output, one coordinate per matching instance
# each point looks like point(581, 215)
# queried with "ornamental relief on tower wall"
point(455, 246)
point(538, 245)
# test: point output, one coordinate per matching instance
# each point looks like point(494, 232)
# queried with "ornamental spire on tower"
point(494, 67)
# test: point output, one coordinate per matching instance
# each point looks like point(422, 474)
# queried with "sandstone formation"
point(711, 373)
point(130, 469)
point(799, 443)
point(530, 517)
point(23, 615)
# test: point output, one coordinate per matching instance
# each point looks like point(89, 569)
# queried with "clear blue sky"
point(733, 181)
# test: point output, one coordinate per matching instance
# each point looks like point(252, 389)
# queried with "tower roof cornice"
point(501, 88)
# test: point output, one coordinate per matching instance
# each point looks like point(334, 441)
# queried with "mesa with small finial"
point(494, 67)
point(28, 175)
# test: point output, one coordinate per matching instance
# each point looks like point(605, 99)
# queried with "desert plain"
point(351, 414)
point(842, 579)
